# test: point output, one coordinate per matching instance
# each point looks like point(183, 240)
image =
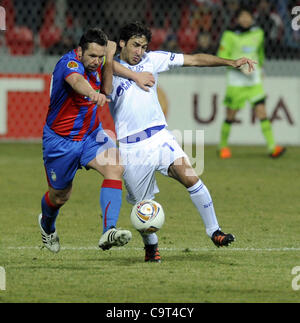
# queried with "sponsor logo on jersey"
point(139, 68)
point(124, 86)
point(72, 65)
point(248, 49)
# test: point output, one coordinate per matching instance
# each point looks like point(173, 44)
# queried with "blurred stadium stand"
point(38, 31)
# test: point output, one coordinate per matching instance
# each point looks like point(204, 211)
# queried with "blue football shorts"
point(63, 157)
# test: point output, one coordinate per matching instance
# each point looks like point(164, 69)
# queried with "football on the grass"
point(147, 216)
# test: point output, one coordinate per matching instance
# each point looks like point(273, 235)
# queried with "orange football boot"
point(277, 152)
point(221, 239)
point(225, 153)
point(152, 253)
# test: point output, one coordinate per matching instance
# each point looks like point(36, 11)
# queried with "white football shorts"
point(143, 158)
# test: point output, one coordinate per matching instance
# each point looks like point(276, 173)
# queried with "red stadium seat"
point(49, 33)
point(187, 35)
point(20, 40)
point(159, 36)
point(49, 36)
point(187, 39)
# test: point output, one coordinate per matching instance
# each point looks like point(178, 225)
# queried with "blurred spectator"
point(291, 34)
point(109, 15)
point(211, 18)
point(159, 37)
point(171, 44)
point(230, 7)
point(201, 16)
point(166, 13)
point(29, 13)
point(22, 21)
point(70, 37)
point(205, 43)
point(53, 24)
point(269, 20)
point(219, 17)
point(188, 30)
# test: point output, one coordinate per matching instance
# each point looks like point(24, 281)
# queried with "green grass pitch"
point(255, 198)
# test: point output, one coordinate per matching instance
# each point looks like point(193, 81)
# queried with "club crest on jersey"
point(72, 65)
point(53, 175)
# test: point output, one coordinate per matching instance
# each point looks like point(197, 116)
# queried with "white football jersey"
point(134, 109)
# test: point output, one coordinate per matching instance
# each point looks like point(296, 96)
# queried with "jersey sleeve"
point(164, 61)
point(72, 66)
point(224, 50)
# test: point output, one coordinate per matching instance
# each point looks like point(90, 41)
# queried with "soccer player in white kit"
point(146, 146)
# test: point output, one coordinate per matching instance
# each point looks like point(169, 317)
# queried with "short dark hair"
point(93, 35)
point(243, 8)
point(134, 29)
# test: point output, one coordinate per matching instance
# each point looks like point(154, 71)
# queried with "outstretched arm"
point(143, 79)
point(202, 60)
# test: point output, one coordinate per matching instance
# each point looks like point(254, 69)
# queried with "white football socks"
point(204, 204)
point(149, 238)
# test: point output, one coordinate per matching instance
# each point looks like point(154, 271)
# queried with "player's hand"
point(99, 98)
point(239, 63)
point(111, 48)
point(144, 80)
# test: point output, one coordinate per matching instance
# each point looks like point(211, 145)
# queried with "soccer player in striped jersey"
point(74, 138)
point(145, 144)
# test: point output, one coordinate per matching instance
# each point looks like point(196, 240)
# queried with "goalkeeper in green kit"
point(246, 40)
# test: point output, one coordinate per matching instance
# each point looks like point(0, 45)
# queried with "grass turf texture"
point(255, 198)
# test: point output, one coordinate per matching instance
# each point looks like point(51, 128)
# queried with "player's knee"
point(114, 172)
point(189, 177)
point(230, 114)
point(118, 171)
point(260, 111)
point(261, 115)
point(185, 174)
point(60, 199)
point(190, 181)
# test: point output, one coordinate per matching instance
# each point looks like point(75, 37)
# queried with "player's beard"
point(135, 60)
point(92, 68)
point(129, 59)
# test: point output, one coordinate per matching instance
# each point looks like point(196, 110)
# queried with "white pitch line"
point(164, 249)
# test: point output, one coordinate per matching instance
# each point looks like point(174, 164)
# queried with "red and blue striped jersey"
point(70, 114)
